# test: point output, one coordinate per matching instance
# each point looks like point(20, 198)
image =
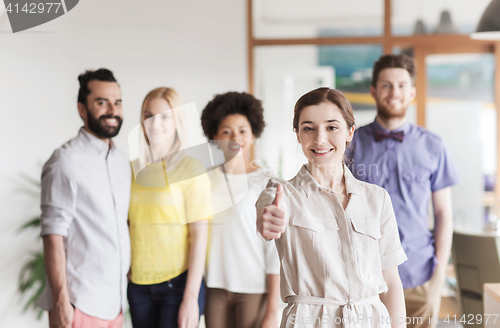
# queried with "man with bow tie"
point(412, 164)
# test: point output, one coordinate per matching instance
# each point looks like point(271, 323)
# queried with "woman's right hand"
point(271, 221)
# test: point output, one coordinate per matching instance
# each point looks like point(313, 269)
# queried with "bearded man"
point(85, 200)
point(412, 164)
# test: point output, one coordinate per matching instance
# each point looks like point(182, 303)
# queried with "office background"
point(201, 48)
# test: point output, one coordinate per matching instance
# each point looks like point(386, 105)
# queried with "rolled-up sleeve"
point(391, 252)
point(446, 174)
point(58, 197)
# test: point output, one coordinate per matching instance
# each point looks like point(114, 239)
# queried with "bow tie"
point(382, 135)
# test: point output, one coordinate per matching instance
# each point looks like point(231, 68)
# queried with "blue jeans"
point(157, 306)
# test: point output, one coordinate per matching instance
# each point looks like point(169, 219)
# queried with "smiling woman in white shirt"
point(242, 270)
point(337, 237)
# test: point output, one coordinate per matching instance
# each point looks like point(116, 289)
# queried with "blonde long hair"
point(145, 155)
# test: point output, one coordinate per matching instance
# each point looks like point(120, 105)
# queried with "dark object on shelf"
point(445, 24)
point(420, 27)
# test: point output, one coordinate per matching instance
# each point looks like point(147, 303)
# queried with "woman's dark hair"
point(393, 61)
point(324, 95)
point(230, 103)
point(101, 74)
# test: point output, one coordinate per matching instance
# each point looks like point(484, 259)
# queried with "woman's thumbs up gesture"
point(271, 221)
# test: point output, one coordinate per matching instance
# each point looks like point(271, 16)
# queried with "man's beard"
point(100, 129)
point(385, 113)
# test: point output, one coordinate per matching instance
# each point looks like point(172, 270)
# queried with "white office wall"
point(197, 47)
point(465, 151)
point(282, 75)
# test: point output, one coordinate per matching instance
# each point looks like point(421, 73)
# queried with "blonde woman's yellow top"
point(161, 205)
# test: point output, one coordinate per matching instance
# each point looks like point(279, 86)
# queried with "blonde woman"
point(168, 238)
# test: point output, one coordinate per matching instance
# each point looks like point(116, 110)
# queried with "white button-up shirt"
point(85, 198)
point(332, 259)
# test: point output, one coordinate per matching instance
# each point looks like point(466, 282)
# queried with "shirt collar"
point(97, 144)
point(405, 127)
point(311, 186)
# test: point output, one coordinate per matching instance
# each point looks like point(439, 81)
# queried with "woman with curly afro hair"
point(242, 273)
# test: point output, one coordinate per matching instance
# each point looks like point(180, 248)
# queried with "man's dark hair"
point(101, 74)
point(232, 103)
point(393, 61)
